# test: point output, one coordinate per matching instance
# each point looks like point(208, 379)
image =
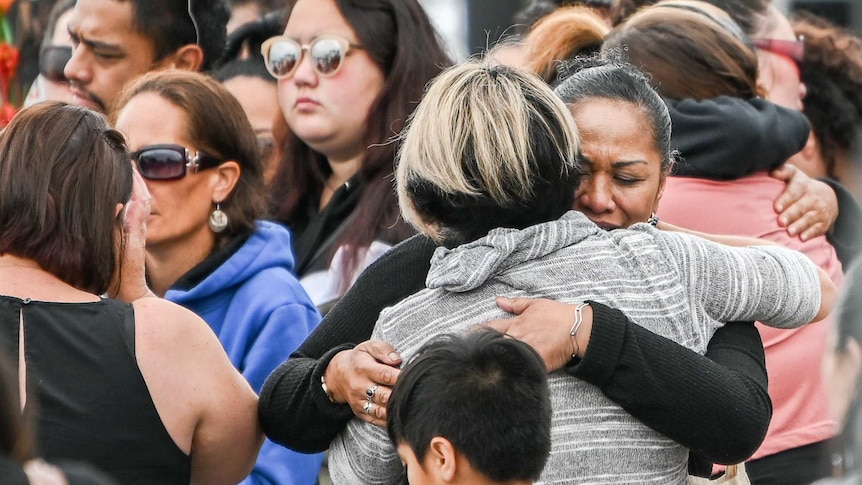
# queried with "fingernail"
point(791, 231)
point(783, 221)
point(779, 207)
point(394, 356)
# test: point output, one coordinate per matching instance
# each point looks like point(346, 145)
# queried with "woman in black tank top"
point(139, 388)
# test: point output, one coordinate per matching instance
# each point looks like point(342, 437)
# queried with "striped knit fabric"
point(676, 285)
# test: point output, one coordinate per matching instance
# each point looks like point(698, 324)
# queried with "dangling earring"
point(218, 220)
point(653, 220)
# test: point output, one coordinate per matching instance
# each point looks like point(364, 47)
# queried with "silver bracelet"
point(579, 320)
point(325, 389)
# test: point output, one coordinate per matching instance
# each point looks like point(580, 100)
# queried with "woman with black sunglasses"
point(350, 73)
point(207, 248)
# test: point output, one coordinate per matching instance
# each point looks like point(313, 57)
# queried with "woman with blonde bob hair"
point(522, 156)
point(488, 168)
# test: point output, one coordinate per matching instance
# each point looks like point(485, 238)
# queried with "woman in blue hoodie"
point(206, 248)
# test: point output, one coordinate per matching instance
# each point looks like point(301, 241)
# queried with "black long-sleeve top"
point(716, 405)
point(728, 138)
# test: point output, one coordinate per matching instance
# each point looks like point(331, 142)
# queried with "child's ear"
point(442, 457)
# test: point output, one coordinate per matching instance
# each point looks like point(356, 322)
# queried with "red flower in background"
point(9, 58)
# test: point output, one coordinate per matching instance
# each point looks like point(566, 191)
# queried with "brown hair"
point(690, 49)
point(623, 9)
point(218, 126)
point(561, 35)
point(750, 15)
point(62, 174)
point(398, 36)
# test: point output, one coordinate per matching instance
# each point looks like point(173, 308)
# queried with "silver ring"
point(367, 407)
point(370, 392)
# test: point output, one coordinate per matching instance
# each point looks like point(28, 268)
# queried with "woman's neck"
point(342, 171)
point(25, 278)
point(168, 263)
point(12, 261)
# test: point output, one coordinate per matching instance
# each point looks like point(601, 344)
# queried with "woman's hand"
point(130, 281)
point(363, 378)
point(545, 326)
point(807, 207)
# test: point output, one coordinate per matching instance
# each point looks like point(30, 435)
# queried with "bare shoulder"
point(159, 313)
point(168, 325)
point(202, 399)
point(176, 339)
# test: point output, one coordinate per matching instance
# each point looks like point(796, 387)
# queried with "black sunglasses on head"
point(52, 61)
point(171, 162)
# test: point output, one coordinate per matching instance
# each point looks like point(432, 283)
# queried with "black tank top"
point(92, 402)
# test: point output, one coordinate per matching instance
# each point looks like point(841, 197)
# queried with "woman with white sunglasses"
point(350, 73)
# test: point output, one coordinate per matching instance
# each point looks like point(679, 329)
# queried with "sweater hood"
point(470, 265)
point(267, 247)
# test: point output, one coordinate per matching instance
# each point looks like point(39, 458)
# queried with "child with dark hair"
point(472, 409)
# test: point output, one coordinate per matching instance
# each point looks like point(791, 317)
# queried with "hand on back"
point(807, 207)
point(363, 377)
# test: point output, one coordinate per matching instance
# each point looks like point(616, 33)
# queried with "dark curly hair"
point(832, 72)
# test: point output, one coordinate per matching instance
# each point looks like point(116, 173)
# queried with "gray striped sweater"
point(676, 285)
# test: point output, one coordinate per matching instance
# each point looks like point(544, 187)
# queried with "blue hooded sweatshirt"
point(261, 314)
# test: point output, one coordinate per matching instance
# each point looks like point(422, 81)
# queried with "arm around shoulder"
point(205, 403)
point(295, 411)
point(828, 290)
point(765, 282)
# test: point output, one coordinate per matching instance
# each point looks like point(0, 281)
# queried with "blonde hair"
point(561, 35)
point(484, 134)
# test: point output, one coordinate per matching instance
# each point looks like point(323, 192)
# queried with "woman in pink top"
point(718, 61)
